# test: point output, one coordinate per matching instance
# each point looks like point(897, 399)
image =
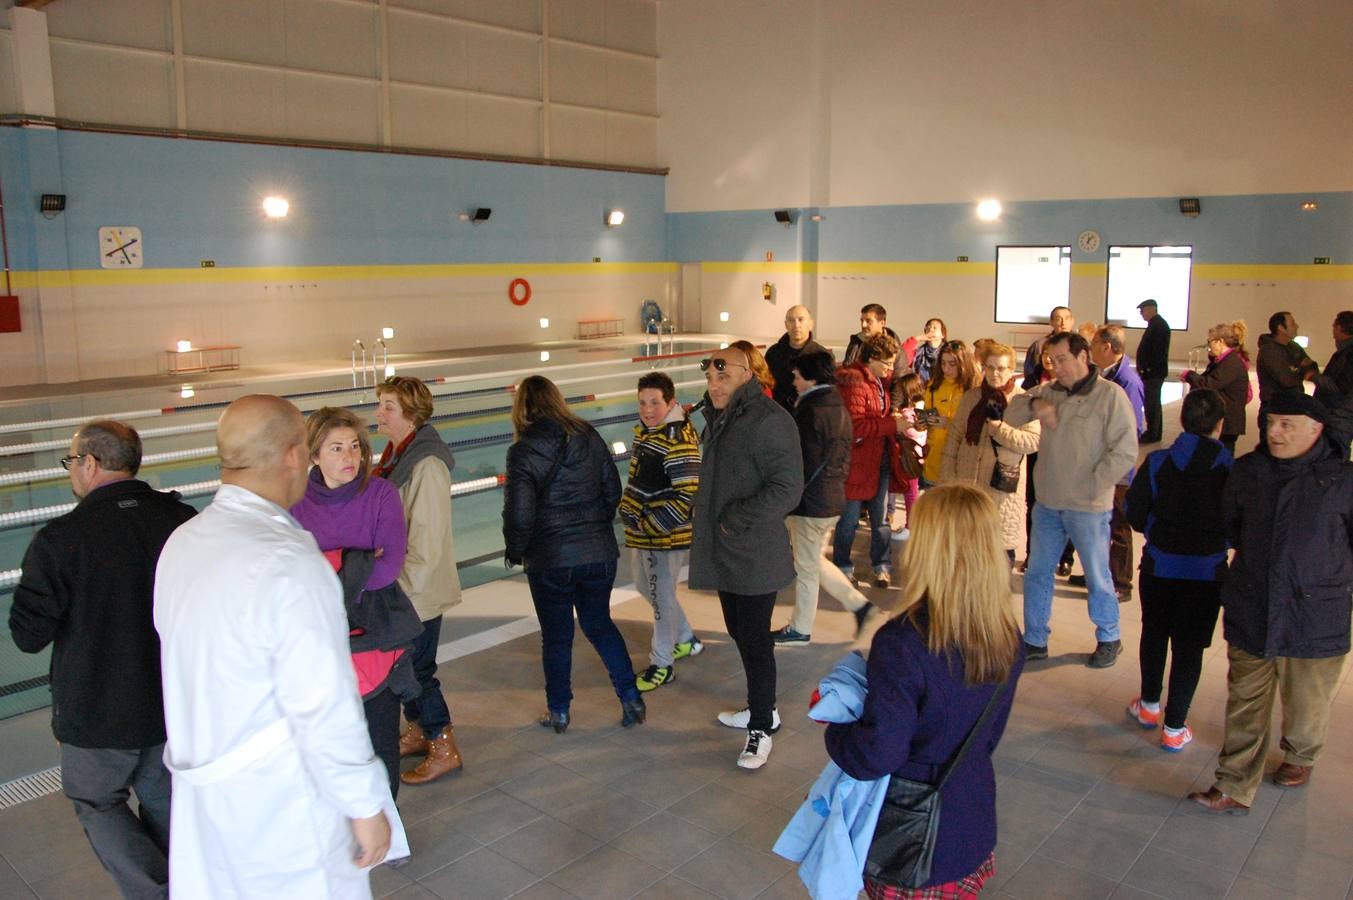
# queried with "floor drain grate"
point(30, 787)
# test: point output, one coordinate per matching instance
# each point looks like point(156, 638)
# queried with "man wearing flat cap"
point(1153, 365)
point(1288, 512)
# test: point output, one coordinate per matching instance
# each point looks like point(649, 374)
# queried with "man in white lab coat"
point(277, 792)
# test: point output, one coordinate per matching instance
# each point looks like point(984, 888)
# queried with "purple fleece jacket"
point(349, 517)
point(916, 715)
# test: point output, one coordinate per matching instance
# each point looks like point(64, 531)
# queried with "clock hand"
point(122, 250)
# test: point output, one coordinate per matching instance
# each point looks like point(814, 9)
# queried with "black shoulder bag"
point(909, 822)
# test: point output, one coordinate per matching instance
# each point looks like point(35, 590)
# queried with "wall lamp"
point(276, 207)
point(1190, 206)
point(480, 215)
point(615, 218)
point(989, 210)
point(784, 217)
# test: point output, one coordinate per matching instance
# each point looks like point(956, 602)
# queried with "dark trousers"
point(1178, 615)
point(429, 710)
point(133, 849)
point(557, 593)
point(1154, 424)
point(1120, 540)
point(747, 617)
point(382, 724)
point(1031, 498)
point(1229, 441)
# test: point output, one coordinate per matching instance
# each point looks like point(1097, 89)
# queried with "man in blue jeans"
point(1089, 442)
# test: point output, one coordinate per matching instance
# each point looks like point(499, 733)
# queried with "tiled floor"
point(1089, 806)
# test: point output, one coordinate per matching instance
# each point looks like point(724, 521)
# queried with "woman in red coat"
point(864, 388)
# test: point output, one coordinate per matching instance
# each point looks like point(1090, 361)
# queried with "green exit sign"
point(208, 263)
point(1322, 260)
point(963, 259)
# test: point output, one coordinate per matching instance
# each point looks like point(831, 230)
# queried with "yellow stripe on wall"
point(228, 275)
point(1208, 271)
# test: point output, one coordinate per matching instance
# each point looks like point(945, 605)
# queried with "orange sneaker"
point(1144, 717)
point(1173, 743)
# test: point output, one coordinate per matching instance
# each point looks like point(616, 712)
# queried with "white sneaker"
point(742, 717)
point(756, 751)
point(901, 534)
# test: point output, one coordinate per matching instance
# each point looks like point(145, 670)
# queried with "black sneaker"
point(1063, 569)
point(788, 635)
point(1105, 655)
point(655, 677)
point(1033, 652)
point(1076, 580)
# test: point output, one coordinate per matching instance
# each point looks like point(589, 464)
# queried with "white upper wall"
point(479, 76)
point(824, 102)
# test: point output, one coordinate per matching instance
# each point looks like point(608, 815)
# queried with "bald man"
point(796, 341)
point(276, 789)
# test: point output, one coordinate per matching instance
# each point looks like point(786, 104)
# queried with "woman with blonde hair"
point(559, 503)
point(933, 668)
point(1227, 373)
point(418, 462)
point(986, 452)
point(757, 362)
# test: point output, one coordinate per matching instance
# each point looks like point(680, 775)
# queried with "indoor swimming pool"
point(176, 422)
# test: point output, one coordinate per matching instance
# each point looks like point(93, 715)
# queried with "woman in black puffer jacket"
point(559, 502)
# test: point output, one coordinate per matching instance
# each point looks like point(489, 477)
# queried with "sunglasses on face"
point(719, 365)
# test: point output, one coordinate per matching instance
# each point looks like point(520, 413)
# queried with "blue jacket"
point(1175, 501)
point(1127, 378)
point(830, 834)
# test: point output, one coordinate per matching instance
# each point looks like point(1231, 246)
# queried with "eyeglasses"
point(67, 460)
point(719, 364)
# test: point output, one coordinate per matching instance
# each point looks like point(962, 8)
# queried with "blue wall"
point(197, 200)
point(1268, 229)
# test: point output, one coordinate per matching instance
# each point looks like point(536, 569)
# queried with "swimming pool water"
point(472, 401)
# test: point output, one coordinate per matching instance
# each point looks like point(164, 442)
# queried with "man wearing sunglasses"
point(751, 477)
point(87, 589)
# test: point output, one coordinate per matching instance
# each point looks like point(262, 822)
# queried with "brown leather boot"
point(443, 759)
point(412, 741)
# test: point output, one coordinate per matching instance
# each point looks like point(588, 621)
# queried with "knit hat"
point(1296, 403)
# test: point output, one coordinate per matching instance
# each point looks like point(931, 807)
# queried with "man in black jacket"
point(1334, 387)
point(825, 435)
point(1288, 512)
point(1153, 365)
point(780, 356)
point(1281, 363)
point(87, 586)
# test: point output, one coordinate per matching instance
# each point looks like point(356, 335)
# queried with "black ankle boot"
point(556, 720)
point(632, 712)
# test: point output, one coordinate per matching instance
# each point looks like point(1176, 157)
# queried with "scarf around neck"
point(992, 398)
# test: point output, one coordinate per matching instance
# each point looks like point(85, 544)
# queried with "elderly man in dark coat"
point(751, 478)
point(1288, 512)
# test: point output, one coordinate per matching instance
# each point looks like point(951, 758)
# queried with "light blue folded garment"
point(830, 834)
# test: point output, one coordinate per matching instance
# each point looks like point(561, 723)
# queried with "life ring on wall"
point(525, 297)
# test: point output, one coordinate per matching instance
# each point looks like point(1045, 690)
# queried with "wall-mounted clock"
point(1088, 241)
point(120, 247)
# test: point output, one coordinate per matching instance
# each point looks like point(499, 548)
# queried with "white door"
point(689, 302)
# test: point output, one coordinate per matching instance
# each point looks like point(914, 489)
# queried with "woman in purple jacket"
point(348, 510)
point(952, 642)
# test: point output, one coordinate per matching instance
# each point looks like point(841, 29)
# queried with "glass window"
point(1030, 281)
point(1159, 273)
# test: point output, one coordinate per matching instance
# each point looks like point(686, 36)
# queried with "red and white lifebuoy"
point(519, 297)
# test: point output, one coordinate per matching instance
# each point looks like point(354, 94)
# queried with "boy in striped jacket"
point(656, 510)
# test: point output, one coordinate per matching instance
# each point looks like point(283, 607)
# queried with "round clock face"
point(120, 247)
point(1088, 241)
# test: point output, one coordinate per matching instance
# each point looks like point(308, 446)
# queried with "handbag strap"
point(967, 741)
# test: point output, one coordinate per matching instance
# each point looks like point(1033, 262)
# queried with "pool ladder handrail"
point(358, 345)
point(664, 326)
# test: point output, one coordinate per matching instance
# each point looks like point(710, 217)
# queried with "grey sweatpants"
point(655, 576)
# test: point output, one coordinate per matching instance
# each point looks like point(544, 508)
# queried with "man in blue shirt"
point(1106, 351)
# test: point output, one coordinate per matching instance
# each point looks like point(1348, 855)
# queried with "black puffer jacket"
point(1229, 377)
point(825, 435)
point(1287, 592)
point(559, 515)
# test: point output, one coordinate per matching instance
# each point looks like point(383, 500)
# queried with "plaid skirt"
point(968, 886)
